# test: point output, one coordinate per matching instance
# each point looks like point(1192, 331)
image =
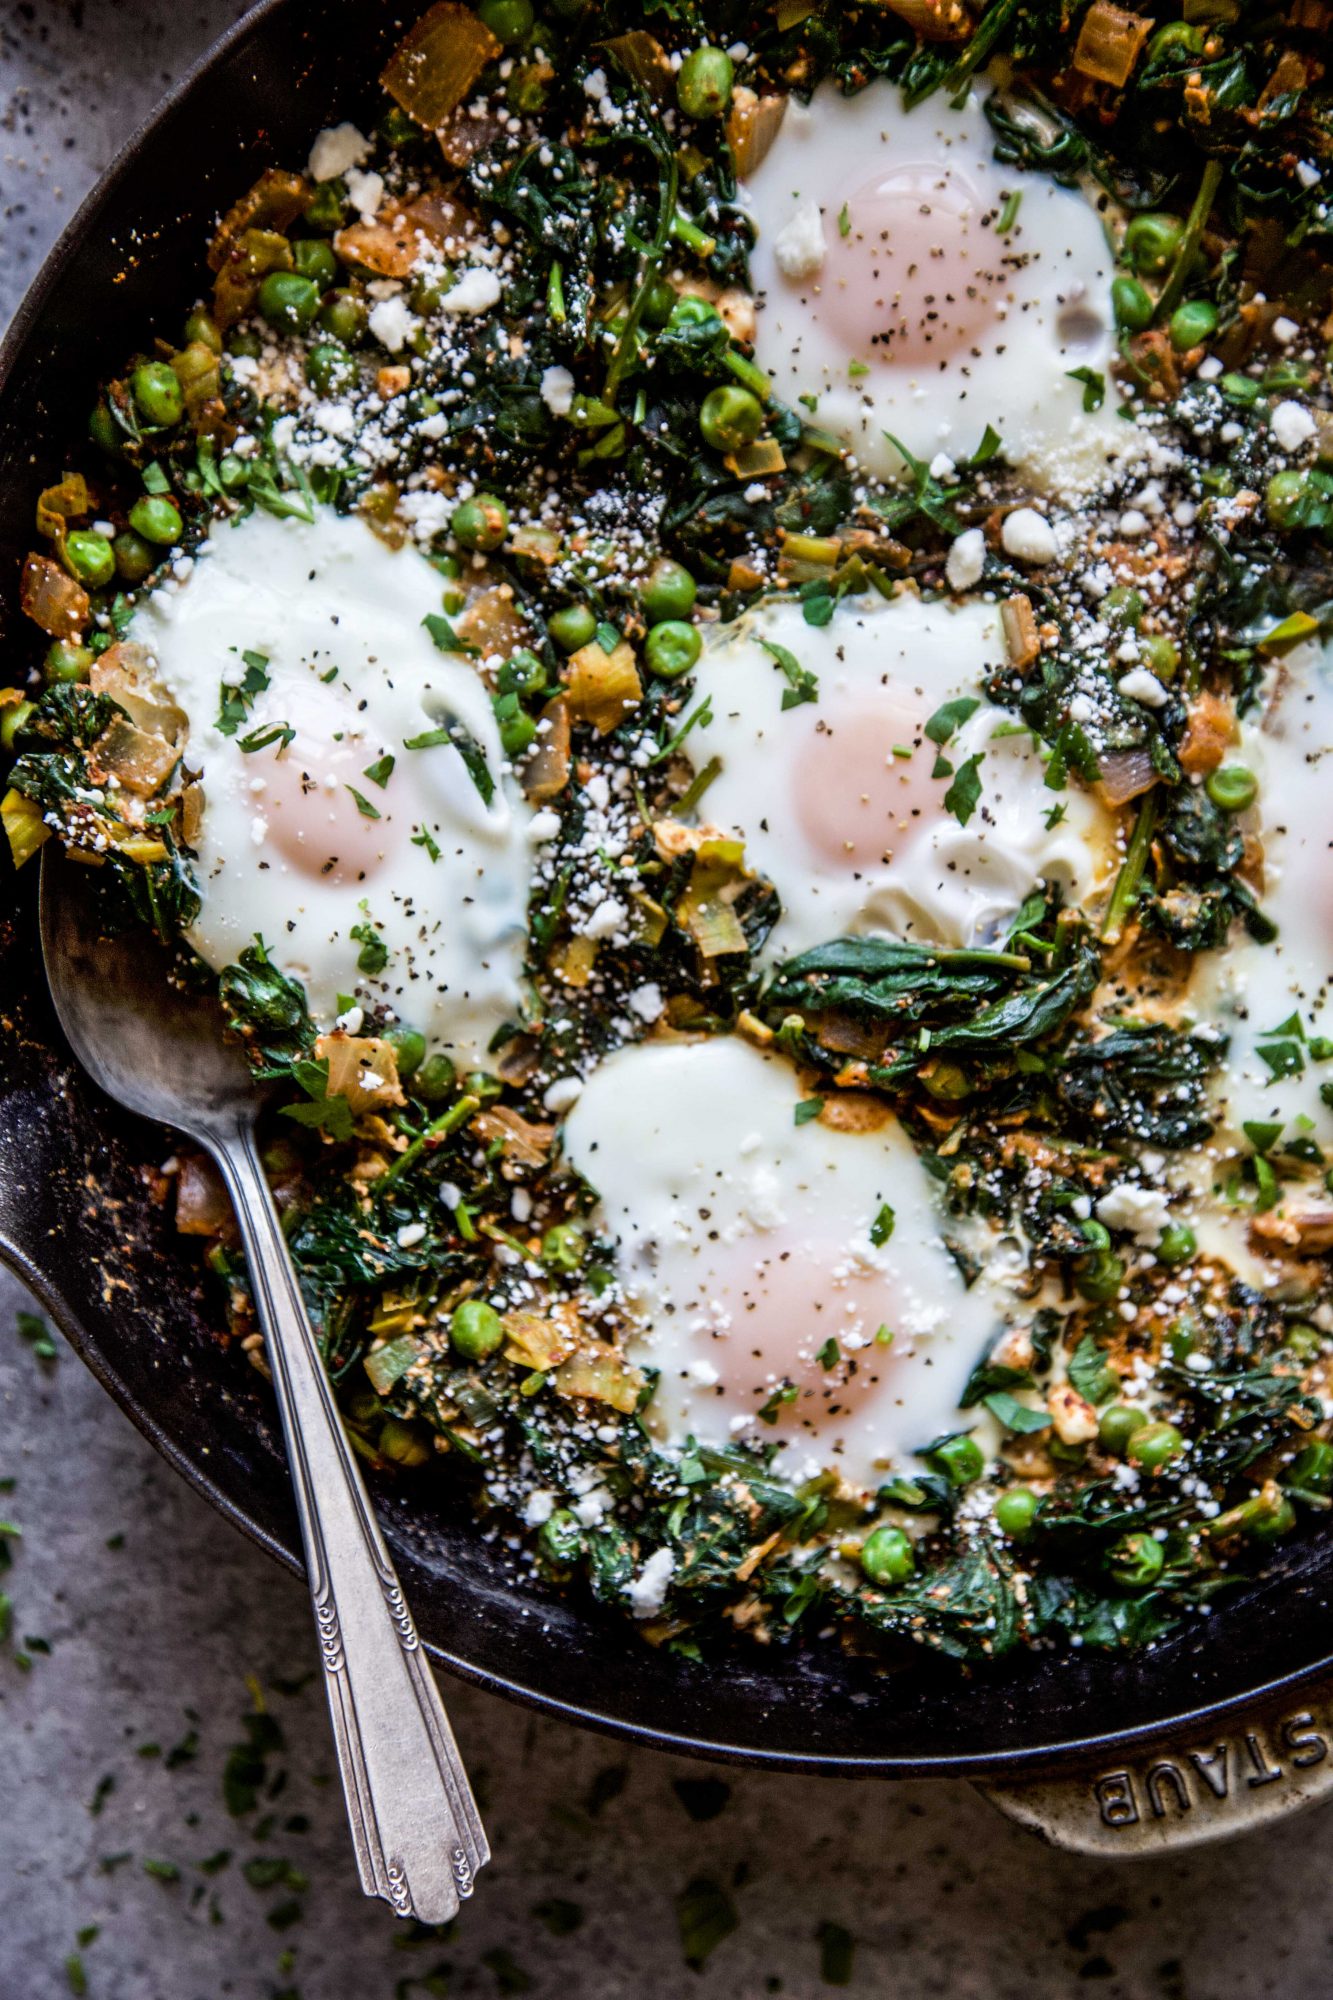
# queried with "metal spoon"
point(158, 1050)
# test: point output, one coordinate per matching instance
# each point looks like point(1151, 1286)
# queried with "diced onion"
point(52, 599)
point(434, 67)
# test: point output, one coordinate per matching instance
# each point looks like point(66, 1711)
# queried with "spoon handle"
point(418, 1836)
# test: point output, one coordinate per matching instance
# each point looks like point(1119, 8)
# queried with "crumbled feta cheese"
point(646, 1001)
point(606, 919)
point(1145, 688)
point(477, 291)
point(1284, 329)
point(543, 826)
point(337, 148)
point(966, 559)
point(563, 1094)
point(1028, 536)
point(799, 247)
point(1291, 425)
point(1142, 1211)
point(391, 323)
point(365, 192)
point(352, 1021)
point(538, 1508)
point(558, 391)
point(646, 1593)
point(410, 1235)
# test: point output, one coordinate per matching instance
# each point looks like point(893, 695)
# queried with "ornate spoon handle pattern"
point(415, 1827)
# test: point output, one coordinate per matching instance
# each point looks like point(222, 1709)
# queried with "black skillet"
point(76, 1221)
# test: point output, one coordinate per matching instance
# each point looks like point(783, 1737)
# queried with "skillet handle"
point(1273, 1760)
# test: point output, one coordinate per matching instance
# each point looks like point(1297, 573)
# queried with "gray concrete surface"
point(161, 1624)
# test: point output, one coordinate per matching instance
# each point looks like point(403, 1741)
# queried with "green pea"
point(1123, 607)
point(518, 731)
point(1232, 787)
point(13, 720)
point(157, 519)
point(481, 1084)
point(1154, 1446)
point(202, 328)
point(1132, 304)
point(1136, 1561)
point(405, 1443)
point(134, 557)
point(1016, 1510)
point(960, 1458)
point(1160, 655)
point(315, 260)
point(672, 649)
point(89, 557)
point(288, 301)
point(730, 418)
point(1151, 242)
point(573, 627)
point(434, 1080)
point(480, 523)
point(560, 1537)
point(669, 592)
point(703, 82)
point(509, 21)
point(1100, 1277)
point(233, 472)
point(103, 429)
point(1284, 496)
point(564, 1247)
point(326, 209)
point(660, 302)
point(343, 315)
point(887, 1556)
point(410, 1048)
point(429, 290)
point(1176, 1244)
point(1117, 1426)
point(522, 674)
point(66, 661)
point(475, 1330)
point(157, 393)
point(1312, 1468)
point(1192, 323)
point(245, 342)
point(1303, 1341)
point(329, 368)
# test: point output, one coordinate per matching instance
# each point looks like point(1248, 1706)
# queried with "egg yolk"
point(858, 799)
point(772, 1305)
point(310, 787)
point(912, 275)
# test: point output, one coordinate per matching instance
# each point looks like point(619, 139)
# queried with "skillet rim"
point(1028, 1761)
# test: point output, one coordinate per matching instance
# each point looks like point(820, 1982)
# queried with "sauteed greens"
point(514, 334)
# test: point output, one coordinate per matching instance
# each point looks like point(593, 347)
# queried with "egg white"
point(743, 1243)
point(836, 797)
point(286, 852)
point(887, 293)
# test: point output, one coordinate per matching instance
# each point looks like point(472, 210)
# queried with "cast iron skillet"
point(76, 1221)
